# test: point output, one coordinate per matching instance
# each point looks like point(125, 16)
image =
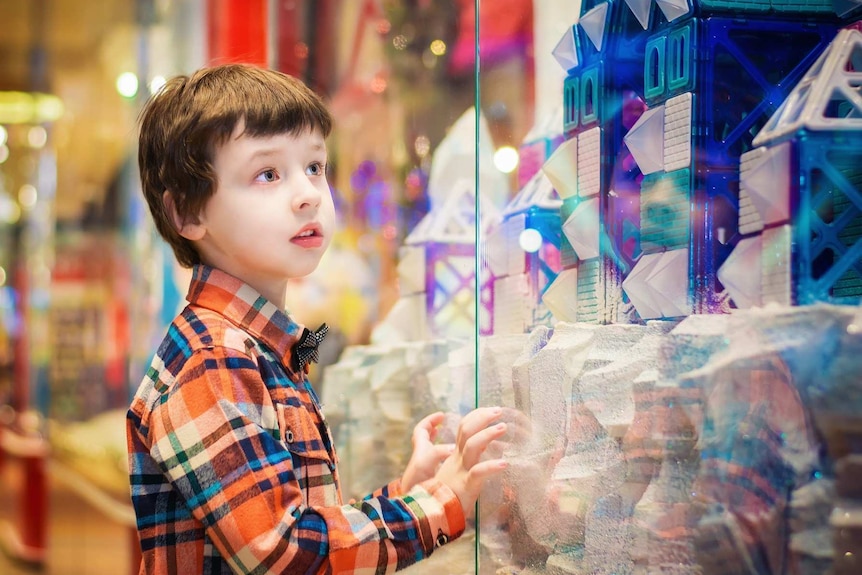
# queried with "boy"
point(231, 462)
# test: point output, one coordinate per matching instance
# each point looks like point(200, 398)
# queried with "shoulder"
point(203, 360)
point(197, 343)
point(197, 329)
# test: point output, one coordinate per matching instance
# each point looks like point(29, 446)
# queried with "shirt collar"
point(243, 306)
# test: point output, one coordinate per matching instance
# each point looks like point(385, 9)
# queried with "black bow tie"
point(305, 350)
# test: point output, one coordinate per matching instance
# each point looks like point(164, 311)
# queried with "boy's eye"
point(267, 176)
point(316, 169)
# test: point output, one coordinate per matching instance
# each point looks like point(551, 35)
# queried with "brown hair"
point(184, 122)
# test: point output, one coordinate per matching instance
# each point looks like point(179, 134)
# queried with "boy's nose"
point(306, 196)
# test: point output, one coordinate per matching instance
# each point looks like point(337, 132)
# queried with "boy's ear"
point(192, 231)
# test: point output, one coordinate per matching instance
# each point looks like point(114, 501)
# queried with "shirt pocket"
point(299, 432)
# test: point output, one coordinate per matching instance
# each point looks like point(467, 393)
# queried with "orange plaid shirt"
point(232, 465)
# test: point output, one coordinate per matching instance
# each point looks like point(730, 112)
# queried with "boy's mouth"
point(308, 231)
point(310, 236)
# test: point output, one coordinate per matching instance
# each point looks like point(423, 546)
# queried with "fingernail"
point(503, 464)
point(497, 410)
point(501, 426)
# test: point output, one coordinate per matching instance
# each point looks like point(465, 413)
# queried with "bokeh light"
point(156, 84)
point(37, 137)
point(530, 240)
point(10, 212)
point(438, 47)
point(383, 26)
point(378, 84)
point(422, 145)
point(127, 85)
point(27, 196)
point(506, 159)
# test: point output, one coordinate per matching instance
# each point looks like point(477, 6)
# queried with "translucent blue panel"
point(680, 59)
point(655, 69)
point(829, 224)
point(571, 103)
point(592, 96)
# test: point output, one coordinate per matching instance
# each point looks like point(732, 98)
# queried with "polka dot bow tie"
point(305, 350)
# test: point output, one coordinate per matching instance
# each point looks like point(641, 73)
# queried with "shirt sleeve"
point(240, 482)
point(391, 489)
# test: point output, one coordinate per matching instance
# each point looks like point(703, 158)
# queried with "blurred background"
point(427, 147)
point(87, 287)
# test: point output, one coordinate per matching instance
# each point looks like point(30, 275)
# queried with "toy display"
point(800, 206)
point(653, 100)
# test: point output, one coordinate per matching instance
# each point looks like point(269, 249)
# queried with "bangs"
point(266, 102)
point(281, 109)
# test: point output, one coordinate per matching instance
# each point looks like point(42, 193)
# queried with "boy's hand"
point(427, 456)
point(463, 471)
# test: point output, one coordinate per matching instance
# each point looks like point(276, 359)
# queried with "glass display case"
point(644, 240)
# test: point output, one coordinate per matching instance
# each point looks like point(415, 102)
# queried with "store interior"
point(634, 224)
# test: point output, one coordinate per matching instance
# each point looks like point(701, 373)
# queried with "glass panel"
point(397, 286)
point(670, 295)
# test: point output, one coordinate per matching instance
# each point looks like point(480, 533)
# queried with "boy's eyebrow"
point(264, 153)
point(269, 152)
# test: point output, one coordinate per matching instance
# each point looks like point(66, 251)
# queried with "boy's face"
point(271, 217)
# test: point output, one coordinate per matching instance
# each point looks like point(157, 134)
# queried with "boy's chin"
point(304, 272)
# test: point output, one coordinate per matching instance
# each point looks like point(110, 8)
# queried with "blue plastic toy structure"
point(662, 101)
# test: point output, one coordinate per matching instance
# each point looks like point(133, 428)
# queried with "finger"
point(427, 427)
point(478, 419)
point(496, 449)
point(483, 471)
point(476, 445)
point(432, 420)
point(505, 442)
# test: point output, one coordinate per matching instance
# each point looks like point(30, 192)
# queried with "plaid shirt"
point(231, 462)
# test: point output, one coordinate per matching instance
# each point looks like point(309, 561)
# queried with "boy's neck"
point(274, 291)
